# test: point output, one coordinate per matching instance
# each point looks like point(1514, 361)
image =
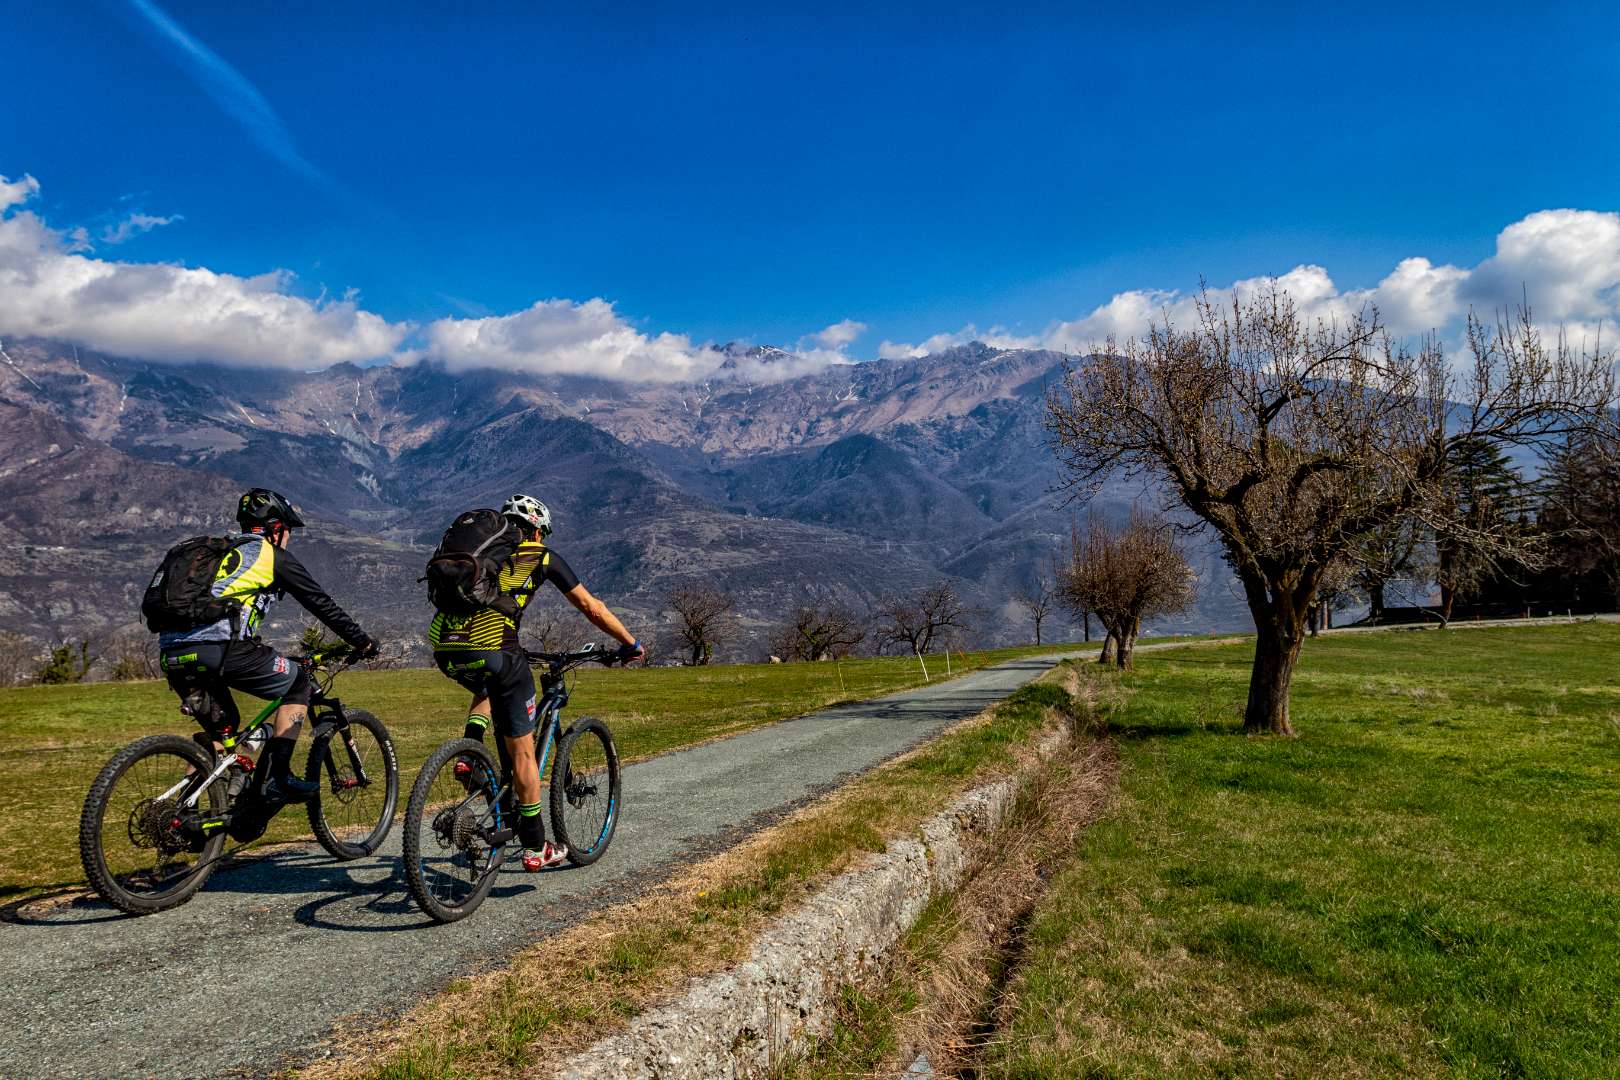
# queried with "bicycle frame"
point(318, 698)
point(553, 699)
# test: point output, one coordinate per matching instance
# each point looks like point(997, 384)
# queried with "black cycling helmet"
point(261, 506)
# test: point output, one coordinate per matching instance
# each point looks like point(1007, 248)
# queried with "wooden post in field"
point(921, 664)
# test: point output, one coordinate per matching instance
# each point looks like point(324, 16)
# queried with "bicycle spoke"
point(454, 857)
point(145, 852)
point(587, 805)
point(351, 805)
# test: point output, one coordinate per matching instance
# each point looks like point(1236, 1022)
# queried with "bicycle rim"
point(146, 856)
point(351, 817)
point(448, 866)
point(585, 791)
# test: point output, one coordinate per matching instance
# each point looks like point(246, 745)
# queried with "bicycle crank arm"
point(497, 837)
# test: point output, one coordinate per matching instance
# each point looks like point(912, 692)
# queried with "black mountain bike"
point(155, 821)
point(458, 833)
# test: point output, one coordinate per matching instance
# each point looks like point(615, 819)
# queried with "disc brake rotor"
point(344, 787)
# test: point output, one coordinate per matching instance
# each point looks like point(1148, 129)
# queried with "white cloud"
point(823, 349)
point(568, 338)
point(1565, 262)
point(839, 334)
point(134, 225)
point(17, 192)
point(158, 311)
point(996, 337)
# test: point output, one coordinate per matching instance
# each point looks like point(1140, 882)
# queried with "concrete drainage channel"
point(741, 1021)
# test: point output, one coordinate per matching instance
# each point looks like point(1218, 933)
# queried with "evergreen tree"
point(1486, 500)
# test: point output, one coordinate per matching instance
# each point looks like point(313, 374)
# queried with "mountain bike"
point(458, 833)
point(155, 820)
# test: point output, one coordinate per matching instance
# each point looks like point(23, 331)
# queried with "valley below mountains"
point(846, 485)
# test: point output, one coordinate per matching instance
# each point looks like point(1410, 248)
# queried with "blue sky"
point(763, 173)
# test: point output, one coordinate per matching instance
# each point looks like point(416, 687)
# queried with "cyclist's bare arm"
point(596, 611)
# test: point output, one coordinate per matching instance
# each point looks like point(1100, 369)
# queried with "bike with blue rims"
point(155, 820)
point(458, 831)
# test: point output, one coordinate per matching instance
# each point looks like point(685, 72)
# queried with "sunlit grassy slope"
point(1425, 882)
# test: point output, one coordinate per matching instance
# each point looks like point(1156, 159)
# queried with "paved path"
point(86, 992)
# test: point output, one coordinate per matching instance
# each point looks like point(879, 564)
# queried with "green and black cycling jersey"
point(256, 574)
point(531, 565)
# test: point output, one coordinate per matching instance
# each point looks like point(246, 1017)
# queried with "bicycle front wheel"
point(450, 864)
point(143, 849)
point(585, 790)
point(358, 776)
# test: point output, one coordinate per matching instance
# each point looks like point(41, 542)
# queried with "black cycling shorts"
point(503, 677)
point(246, 665)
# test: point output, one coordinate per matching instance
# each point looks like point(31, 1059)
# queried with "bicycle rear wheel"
point(585, 790)
point(131, 842)
point(350, 816)
point(449, 864)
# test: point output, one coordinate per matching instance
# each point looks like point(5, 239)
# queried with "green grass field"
point(54, 739)
point(1425, 882)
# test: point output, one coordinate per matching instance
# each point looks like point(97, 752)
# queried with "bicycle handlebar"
point(605, 655)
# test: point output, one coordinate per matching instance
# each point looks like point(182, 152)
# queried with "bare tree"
point(705, 618)
point(1392, 552)
point(1333, 592)
point(19, 658)
point(1126, 574)
point(917, 622)
point(1039, 597)
point(819, 632)
point(1292, 440)
point(131, 652)
point(546, 629)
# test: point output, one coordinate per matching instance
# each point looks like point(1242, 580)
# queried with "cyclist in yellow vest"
point(481, 652)
point(227, 654)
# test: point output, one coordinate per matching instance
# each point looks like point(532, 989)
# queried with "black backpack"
point(181, 595)
point(463, 577)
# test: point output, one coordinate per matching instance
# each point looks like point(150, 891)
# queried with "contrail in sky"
point(231, 92)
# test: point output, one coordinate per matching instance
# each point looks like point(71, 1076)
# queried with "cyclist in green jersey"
point(481, 653)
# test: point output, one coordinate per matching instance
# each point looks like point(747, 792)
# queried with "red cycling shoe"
point(550, 855)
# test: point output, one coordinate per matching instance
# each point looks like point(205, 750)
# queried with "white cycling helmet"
point(529, 509)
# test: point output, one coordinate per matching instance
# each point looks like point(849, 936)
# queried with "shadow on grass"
point(1141, 731)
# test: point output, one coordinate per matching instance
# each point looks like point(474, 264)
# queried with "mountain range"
point(847, 484)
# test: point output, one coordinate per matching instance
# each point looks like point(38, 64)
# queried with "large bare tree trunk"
point(1107, 656)
point(1375, 602)
point(1126, 648)
point(1276, 651)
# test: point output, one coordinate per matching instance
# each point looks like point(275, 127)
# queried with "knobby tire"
point(92, 820)
point(382, 769)
point(596, 789)
point(424, 804)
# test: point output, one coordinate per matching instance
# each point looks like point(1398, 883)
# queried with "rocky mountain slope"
point(850, 483)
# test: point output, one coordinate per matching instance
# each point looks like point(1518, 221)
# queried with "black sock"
point(476, 726)
point(531, 826)
point(278, 753)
